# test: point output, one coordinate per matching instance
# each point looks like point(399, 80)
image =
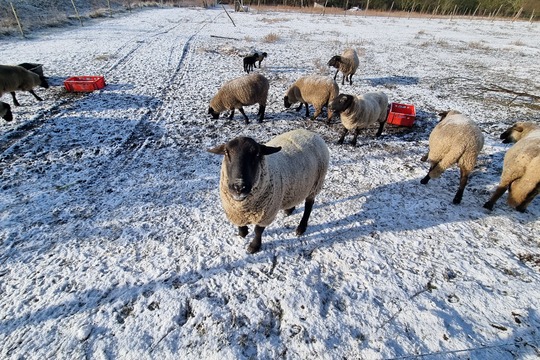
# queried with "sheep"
point(260, 58)
point(455, 139)
point(347, 63)
point(249, 62)
point(243, 91)
point(521, 167)
point(359, 112)
point(5, 111)
point(312, 89)
point(16, 78)
point(258, 180)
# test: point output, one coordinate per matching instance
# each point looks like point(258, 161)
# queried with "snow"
point(113, 242)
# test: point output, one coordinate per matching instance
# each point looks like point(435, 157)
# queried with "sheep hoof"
point(243, 231)
point(425, 180)
point(252, 249)
point(289, 211)
point(456, 201)
point(488, 206)
point(300, 230)
point(521, 209)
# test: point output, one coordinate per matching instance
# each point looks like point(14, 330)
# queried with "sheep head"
point(335, 61)
point(43, 82)
point(286, 102)
point(444, 114)
point(517, 131)
point(341, 103)
point(242, 161)
point(215, 114)
point(5, 112)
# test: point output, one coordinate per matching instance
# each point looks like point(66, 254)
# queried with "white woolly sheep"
point(5, 111)
point(455, 139)
point(360, 112)
point(243, 91)
point(347, 63)
point(521, 167)
point(259, 180)
point(312, 89)
point(17, 78)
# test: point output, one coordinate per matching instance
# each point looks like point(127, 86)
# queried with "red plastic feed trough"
point(84, 83)
point(401, 114)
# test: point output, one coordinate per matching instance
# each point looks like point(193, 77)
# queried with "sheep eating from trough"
point(16, 78)
point(258, 180)
point(5, 111)
point(243, 91)
point(455, 139)
point(312, 89)
point(347, 63)
point(521, 167)
point(359, 112)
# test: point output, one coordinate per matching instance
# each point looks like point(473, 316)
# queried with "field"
point(114, 244)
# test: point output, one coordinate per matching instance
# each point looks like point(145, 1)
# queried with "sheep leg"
point(317, 113)
point(299, 107)
point(462, 183)
point(523, 206)
point(381, 127)
point(35, 95)
point(243, 231)
point(246, 120)
point(231, 114)
point(496, 195)
point(262, 108)
point(255, 244)
point(15, 102)
point(355, 136)
point(307, 212)
point(307, 110)
point(350, 79)
point(343, 134)
point(428, 177)
point(289, 211)
point(335, 75)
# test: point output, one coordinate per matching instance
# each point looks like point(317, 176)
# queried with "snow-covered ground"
point(114, 244)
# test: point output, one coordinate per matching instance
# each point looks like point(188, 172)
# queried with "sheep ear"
point(443, 114)
point(267, 150)
point(218, 150)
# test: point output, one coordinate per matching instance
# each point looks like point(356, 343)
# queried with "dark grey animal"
point(5, 111)
point(249, 62)
point(17, 78)
point(260, 58)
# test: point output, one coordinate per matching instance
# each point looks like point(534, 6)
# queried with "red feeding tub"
point(84, 83)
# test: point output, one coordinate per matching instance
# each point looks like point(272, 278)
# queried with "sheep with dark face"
point(5, 111)
point(360, 112)
point(259, 180)
point(456, 139)
point(347, 63)
point(243, 91)
point(521, 167)
point(312, 89)
point(260, 57)
point(17, 78)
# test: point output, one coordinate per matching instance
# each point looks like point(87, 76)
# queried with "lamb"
point(249, 62)
point(347, 63)
point(259, 180)
point(312, 89)
point(16, 78)
point(359, 112)
point(455, 139)
point(521, 167)
point(243, 91)
point(5, 111)
point(260, 58)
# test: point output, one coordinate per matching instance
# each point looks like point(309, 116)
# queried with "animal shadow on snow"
point(393, 80)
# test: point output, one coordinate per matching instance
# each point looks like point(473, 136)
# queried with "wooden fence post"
point(17, 18)
point(76, 12)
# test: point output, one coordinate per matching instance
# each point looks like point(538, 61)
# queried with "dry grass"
point(271, 38)
point(478, 45)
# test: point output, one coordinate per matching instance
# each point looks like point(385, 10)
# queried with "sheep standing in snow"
point(243, 91)
point(521, 167)
point(313, 89)
point(455, 139)
point(259, 180)
point(5, 111)
point(360, 112)
point(347, 63)
point(17, 78)
point(249, 62)
point(260, 58)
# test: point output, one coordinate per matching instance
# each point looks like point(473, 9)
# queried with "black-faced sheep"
point(456, 139)
point(312, 89)
point(17, 78)
point(5, 111)
point(360, 112)
point(347, 63)
point(260, 58)
point(259, 180)
point(521, 167)
point(249, 62)
point(243, 91)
